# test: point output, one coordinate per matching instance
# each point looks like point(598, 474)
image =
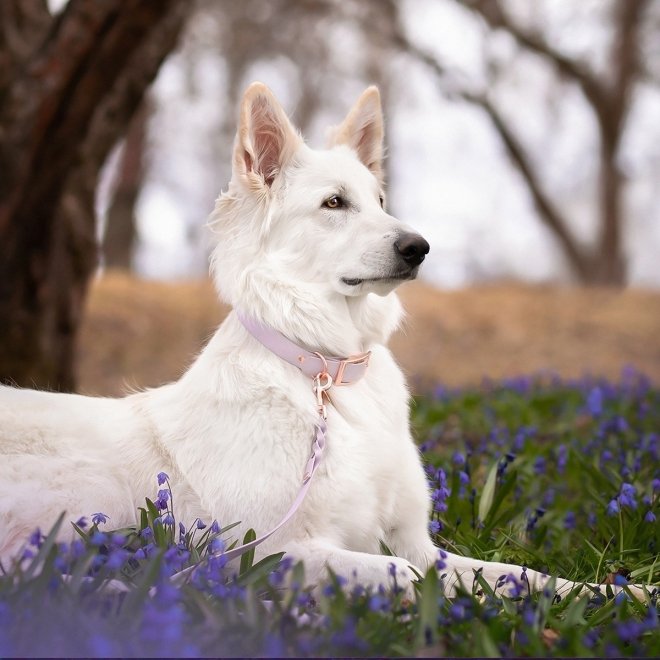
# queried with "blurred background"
point(523, 142)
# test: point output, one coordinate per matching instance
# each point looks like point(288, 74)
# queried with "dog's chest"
point(355, 489)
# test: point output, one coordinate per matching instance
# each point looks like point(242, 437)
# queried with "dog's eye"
point(382, 201)
point(334, 202)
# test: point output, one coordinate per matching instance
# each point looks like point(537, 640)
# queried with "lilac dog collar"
point(343, 371)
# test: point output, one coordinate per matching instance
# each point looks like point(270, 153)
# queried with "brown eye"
point(334, 202)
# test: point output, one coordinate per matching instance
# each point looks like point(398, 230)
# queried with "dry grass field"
point(139, 334)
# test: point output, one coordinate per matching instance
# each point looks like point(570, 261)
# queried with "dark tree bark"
point(68, 88)
point(120, 231)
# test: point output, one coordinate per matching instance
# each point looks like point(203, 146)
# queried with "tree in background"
point(608, 95)
point(69, 85)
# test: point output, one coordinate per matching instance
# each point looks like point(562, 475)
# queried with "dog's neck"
point(320, 321)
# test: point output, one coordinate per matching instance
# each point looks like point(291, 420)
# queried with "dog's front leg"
point(368, 570)
point(457, 570)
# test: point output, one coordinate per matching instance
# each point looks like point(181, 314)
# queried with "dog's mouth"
point(401, 275)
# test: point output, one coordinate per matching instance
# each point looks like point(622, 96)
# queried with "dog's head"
point(315, 218)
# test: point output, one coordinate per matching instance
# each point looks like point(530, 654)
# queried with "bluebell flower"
point(200, 524)
point(655, 484)
point(629, 631)
point(99, 518)
point(435, 526)
point(539, 465)
point(164, 494)
point(99, 538)
point(649, 517)
point(627, 496)
point(146, 533)
point(162, 478)
point(82, 522)
point(562, 458)
point(167, 519)
point(35, 538)
point(613, 508)
point(215, 527)
point(117, 559)
point(620, 580)
point(569, 520)
point(458, 459)
point(595, 402)
point(217, 546)
point(378, 603)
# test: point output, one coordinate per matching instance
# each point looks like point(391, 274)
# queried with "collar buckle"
point(358, 360)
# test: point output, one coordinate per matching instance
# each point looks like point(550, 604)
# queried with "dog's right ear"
point(266, 140)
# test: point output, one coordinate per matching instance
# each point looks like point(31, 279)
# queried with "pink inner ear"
point(267, 139)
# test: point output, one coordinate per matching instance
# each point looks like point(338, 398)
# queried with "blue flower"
point(215, 527)
point(217, 546)
point(435, 526)
point(569, 520)
point(613, 508)
point(99, 518)
point(562, 458)
point(35, 538)
point(595, 402)
point(162, 478)
point(200, 524)
point(539, 465)
point(649, 517)
point(167, 519)
point(627, 496)
point(164, 494)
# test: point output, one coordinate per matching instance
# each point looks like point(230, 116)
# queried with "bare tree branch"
point(495, 16)
point(549, 213)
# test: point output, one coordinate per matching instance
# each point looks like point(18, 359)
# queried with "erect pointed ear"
point(266, 140)
point(362, 130)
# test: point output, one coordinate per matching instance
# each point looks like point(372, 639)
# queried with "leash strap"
point(320, 369)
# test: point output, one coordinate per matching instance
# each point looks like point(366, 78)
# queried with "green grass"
point(558, 476)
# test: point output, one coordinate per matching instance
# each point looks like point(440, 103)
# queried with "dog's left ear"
point(266, 140)
point(362, 130)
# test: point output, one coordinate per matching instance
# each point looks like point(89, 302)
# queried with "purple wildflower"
point(595, 402)
point(200, 524)
point(162, 478)
point(35, 538)
point(569, 520)
point(539, 465)
point(649, 517)
point(627, 496)
point(613, 508)
point(562, 458)
point(99, 518)
point(435, 526)
point(215, 527)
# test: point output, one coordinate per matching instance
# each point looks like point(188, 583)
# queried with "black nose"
point(412, 248)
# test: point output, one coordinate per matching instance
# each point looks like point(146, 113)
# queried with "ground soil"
point(139, 334)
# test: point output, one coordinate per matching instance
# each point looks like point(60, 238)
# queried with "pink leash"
point(324, 372)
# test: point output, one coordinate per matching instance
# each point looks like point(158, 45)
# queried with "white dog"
point(305, 249)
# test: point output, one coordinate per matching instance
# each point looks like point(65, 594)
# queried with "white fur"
point(234, 433)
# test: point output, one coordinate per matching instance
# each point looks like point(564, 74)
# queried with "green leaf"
point(488, 493)
point(427, 605)
point(247, 557)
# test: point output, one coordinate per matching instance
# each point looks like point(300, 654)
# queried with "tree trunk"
point(66, 96)
point(119, 237)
